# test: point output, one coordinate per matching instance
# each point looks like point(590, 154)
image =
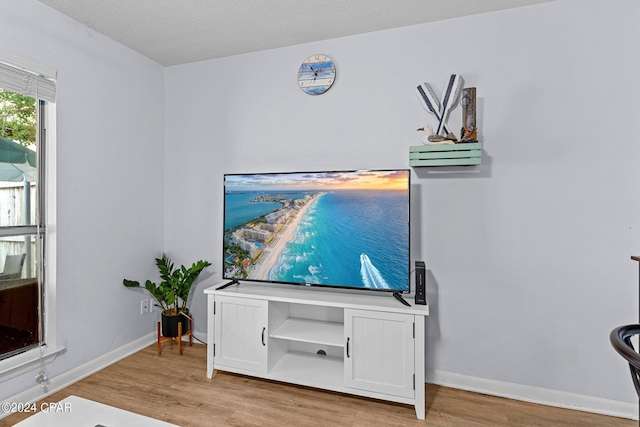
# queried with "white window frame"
point(48, 349)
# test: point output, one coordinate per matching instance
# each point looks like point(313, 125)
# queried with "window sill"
point(27, 361)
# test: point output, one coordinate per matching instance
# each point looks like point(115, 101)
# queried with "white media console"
point(356, 343)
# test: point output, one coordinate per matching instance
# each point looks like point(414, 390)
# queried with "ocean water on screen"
point(337, 229)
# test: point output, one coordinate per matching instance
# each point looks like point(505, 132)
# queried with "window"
point(27, 110)
point(20, 229)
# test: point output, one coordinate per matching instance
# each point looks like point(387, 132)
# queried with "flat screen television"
point(345, 229)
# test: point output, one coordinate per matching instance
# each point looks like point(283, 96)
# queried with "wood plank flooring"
point(175, 389)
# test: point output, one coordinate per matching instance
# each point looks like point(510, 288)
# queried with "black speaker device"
point(421, 292)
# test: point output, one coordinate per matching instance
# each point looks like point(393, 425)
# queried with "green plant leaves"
point(173, 292)
point(131, 283)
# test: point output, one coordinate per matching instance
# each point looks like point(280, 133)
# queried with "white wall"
point(529, 253)
point(110, 179)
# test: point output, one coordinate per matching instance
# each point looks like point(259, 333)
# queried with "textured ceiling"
point(180, 31)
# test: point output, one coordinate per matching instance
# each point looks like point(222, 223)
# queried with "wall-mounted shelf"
point(461, 154)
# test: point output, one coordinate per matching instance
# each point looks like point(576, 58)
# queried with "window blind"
point(26, 77)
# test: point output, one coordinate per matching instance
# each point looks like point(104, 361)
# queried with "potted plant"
point(172, 293)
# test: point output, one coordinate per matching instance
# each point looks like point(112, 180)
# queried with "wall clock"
point(316, 74)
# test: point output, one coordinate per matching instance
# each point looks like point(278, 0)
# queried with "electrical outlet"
point(144, 306)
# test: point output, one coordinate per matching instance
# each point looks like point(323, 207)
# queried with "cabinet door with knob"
point(241, 333)
point(379, 352)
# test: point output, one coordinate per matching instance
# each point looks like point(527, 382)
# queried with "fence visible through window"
point(20, 281)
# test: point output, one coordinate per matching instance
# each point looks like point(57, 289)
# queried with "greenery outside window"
point(27, 315)
point(20, 229)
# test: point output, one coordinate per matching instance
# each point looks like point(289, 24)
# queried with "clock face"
point(316, 74)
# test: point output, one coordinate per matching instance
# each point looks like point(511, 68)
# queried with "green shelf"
point(461, 154)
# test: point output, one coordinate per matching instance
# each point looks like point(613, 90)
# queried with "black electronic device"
point(421, 292)
point(341, 229)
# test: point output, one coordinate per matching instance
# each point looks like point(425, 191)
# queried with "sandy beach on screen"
point(271, 253)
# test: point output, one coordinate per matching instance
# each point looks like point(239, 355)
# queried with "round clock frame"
point(316, 74)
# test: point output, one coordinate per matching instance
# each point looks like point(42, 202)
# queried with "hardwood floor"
point(175, 389)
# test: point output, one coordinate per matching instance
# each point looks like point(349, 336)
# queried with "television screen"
point(339, 229)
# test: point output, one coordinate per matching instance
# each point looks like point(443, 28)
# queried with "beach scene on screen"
point(345, 229)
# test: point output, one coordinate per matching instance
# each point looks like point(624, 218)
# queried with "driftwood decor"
point(469, 131)
point(430, 101)
point(441, 147)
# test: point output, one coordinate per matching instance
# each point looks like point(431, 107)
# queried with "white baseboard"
point(71, 376)
point(543, 396)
